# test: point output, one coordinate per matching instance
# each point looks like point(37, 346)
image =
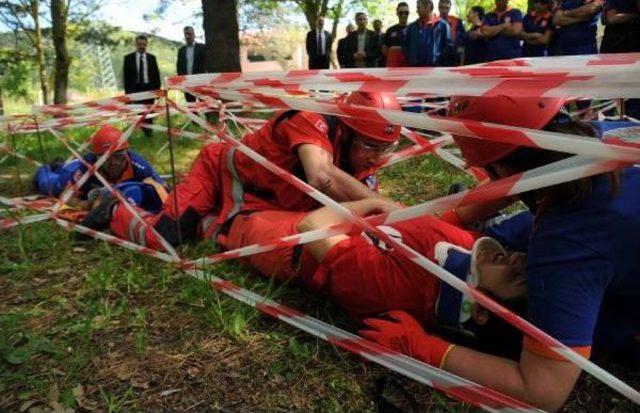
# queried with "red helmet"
point(104, 138)
point(376, 131)
point(524, 112)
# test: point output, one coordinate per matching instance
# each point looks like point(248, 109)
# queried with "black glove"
point(457, 187)
point(99, 217)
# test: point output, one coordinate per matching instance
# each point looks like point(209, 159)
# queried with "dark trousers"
point(319, 62)
point(143, 87)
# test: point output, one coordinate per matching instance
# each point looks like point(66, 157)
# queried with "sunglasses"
point(403, 13)
point(380, 149)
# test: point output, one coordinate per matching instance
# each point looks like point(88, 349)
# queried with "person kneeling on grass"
point(363, 276)
point(122, 166)
point(582, 259)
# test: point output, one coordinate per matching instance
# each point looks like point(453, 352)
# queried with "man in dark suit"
point(319, 43)
point(362, 48)
point(342, 58)
point(141, 73)
point(191, 58)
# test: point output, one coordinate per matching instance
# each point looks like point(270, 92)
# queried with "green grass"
point(90, 326)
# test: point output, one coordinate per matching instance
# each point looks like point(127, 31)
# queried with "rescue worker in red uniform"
point(366, 278)
point(331, 154)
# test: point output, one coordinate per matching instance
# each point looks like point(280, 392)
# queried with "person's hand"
point(402, 333)
point(597, 5)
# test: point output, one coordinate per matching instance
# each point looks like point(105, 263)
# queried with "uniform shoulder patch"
point(318, 122)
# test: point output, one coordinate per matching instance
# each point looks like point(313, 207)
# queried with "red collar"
point(451, 19)
point(434, 19)
point(127, 174)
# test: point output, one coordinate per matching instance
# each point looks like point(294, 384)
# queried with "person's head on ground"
point(104, 140)
point(189, 35)
point(501, 5)
point(402, 11)
point(370, 140)
point(500, 272)
point(141, 43)
point(424, 9)
point(475, 14)
point(361, 21)
point(501, 276)
point(444, 7)
point(320, 23)
point(377, 25)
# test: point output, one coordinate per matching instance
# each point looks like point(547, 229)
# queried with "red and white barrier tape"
point(615, 149)
point(433, 268)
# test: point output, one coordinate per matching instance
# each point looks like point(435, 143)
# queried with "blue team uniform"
point(582, 268)
point(533, 23)
point(475, 51)
point(54, 180)
point(141, 194)
point(578, 38)
point(429, 44)
point(503, 47)
point(625, 37)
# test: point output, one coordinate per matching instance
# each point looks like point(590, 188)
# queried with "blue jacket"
point(55, 180)
point(430, 44)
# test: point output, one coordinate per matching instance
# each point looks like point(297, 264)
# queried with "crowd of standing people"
point(550, 28)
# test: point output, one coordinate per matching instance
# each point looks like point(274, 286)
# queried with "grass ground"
point(86, 326)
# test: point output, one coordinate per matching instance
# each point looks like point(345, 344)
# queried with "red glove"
point(406, 335)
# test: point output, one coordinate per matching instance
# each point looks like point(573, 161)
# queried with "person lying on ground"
point(364, 277)
point(335, 155)
point(123, 165)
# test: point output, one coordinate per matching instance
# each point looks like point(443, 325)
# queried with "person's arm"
point(154, 72)
point(475, 34)
point(560, 19)
point(325, 217)
point(128, 86)
point(374, 52)
point(309, 43)
point(538, 39)
point(323, 175)
point(460, 34)
point(179, 63)
point(512, 29)
point(611, 16)
point(489, 32)
point(468, 214)
point(533, 379)
point(586, 11)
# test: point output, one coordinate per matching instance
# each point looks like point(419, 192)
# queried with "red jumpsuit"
point(358, 273)
point(223, 181)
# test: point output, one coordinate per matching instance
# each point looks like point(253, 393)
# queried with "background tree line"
point(42, 30)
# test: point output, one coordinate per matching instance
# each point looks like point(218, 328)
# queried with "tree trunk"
point(59, 13)
point(42, 73)
point(221, 32)
point(312, 9)
point(1, 103)
point(336, 14)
